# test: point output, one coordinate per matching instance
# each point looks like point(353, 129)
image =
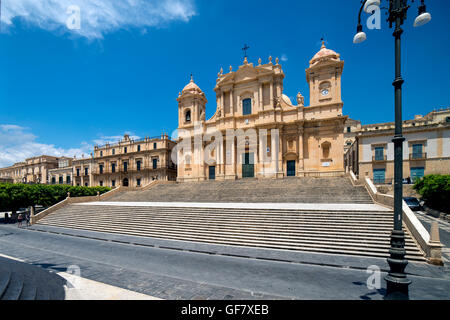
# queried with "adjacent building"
point(32, 170)
point(62, 174)
point(133, 163)
point(426, 149)
point(273, 137)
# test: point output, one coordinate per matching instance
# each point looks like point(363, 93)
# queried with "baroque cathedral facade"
point(257, 131)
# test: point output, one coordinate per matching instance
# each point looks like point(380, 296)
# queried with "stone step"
point(242, 233)
point(261, 226)
point(29, 291)
point(15, 287)
point(278, 239)
point(298, 217)
point(5, 278)
point(327, 248)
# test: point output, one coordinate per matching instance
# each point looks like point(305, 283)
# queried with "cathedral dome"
point(286, 99)
point(324, 54)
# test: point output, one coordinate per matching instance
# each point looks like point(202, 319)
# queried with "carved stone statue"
point(300, 99)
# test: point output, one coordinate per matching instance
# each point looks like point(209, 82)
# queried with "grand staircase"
point(354, 233)
point(213, 215)
point(289, 190)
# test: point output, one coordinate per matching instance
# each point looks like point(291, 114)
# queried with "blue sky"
point(62, 91)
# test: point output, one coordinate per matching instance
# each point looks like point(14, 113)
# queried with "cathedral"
point(256, 131)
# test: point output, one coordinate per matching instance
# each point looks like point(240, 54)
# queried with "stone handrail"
point(353, 179)
point(430, 246)
point(70, 200)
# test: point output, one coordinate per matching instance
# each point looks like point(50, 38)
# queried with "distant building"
point(426, 149)
point(32, 170)
point(82, 172)
point(63, 174)
point(133, 163)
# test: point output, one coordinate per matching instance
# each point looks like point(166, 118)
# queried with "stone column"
point(261, 106)
point(274, 152)
point(271, 95)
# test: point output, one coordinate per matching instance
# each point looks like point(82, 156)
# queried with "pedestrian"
point(27, 217)
point(6, 217)
point(19, 219)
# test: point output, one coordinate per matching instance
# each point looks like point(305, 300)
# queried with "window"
point(101, 183)
point(113, 151)
point(447, 119)
point(138, 148)
point(155, 163)
point(417, 151)
point(349, 129)
point(138, 165)
point(113, 167)
point(113, 183)
point(125, 150)
point(138, 182)
point(246, 106)
point(53, 180)
point(78, 172)
point(101, 153)
point(125, 166)
point(100, 167)
point(417, 173)
point(154, 145)
point(188, 116)
point(68, 179)
point(379, 175)
point(86, 171)
point(86, 184)
point(379, 153)
point(61, 181)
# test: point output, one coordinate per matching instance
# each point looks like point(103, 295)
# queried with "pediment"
point(246, 73)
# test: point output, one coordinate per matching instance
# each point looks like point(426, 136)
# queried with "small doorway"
point(248, 166)
point(125, 182)
point(212, 173)
point(290, 165)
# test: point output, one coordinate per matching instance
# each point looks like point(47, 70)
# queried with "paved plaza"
point(167, 269)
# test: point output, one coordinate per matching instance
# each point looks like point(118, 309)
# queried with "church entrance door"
point(248, 166)
point(290, 168)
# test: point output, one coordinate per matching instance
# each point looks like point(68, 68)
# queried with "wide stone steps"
point(358, 233)
point(297, 190)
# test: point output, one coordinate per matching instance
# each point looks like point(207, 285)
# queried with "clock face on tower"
point(324, 92)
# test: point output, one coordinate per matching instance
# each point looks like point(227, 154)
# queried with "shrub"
point(435, 191)
point(15, 196)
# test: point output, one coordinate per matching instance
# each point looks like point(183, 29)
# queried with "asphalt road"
point(175, 274)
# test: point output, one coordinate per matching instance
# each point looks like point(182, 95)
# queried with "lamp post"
point(397, 282)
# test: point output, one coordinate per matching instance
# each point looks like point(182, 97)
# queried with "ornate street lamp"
point(397, 282)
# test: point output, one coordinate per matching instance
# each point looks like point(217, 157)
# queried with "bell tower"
point(324, 77)
point(191, 105)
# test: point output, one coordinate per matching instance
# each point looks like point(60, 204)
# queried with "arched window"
point(246, 106)
point(125, 182)
point(188, 116)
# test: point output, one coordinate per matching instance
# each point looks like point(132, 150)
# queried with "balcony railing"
point(131, 169)
point(379, 159)
point(417, 156)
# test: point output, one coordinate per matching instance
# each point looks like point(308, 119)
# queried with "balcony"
point(378, 159)
point(417, 156)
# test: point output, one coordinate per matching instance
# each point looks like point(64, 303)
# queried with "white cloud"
point(284, 57)
point(98, 17)
point(18, 143)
